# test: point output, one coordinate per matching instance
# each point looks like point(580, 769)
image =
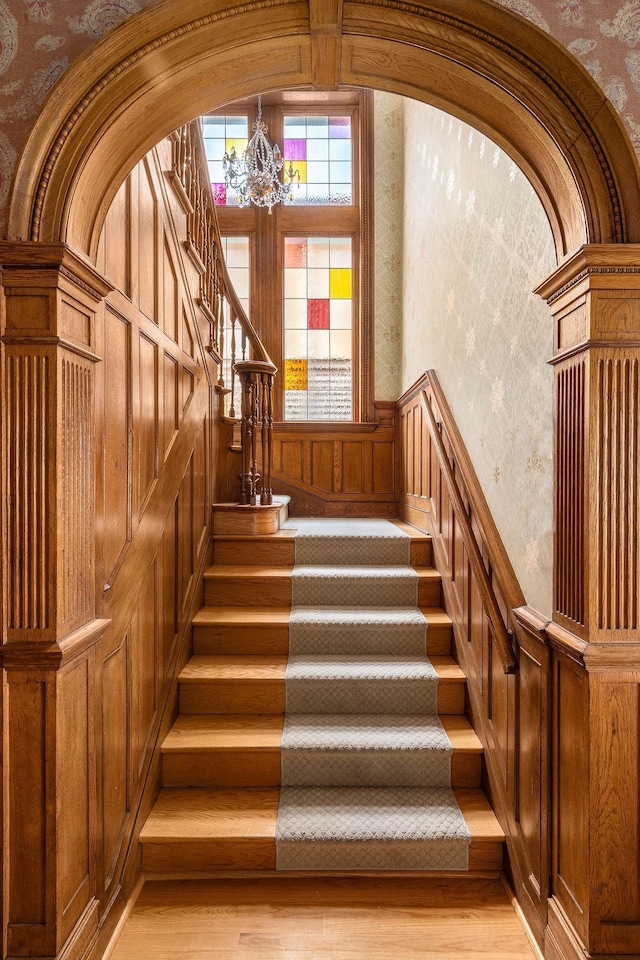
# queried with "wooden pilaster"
point(595, 903)
point(49, 629)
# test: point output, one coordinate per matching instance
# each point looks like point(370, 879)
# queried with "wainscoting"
point(500, 644)
point(91, 668)
point(558, 716)
point(334, 469)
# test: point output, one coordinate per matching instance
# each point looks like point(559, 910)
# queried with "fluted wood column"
point(595, 906)
point(49, 628)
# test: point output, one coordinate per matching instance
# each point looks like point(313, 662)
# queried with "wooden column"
point(49, 630)
point(595, 902)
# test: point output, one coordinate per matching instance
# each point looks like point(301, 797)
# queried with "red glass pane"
point(318, 314)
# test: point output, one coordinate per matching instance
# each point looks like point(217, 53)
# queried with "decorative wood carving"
point(570, 516)
point(498, 72)
point(597, 447)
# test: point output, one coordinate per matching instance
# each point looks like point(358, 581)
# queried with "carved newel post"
point(595, 903)
point(49, 630)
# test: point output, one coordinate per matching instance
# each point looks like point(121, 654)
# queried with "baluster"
point(254, 476)
point(266, 496)
point(244, 345)
point(232, 410)
point(245, 435)
point(220, 325)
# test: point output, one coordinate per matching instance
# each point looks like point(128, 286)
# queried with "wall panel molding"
point(107, 467)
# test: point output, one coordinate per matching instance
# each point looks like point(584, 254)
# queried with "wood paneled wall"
point(334, 469)
point(108, 434)
point(562, 731)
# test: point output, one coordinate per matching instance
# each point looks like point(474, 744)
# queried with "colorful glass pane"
point(317, 328)
point(222, 135)
point(318, 314)
point(319, 147)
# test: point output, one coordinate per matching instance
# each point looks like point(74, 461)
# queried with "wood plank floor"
point(326, 919)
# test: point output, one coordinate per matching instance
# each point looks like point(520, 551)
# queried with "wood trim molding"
point(578, 156)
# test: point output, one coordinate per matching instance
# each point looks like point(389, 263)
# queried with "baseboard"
point(535, 946)
point(113, 937)
point(560, 941)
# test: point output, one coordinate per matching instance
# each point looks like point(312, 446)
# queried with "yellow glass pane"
point(237, 142)
point(301, 167)
point(339, 283)
point(295, 374)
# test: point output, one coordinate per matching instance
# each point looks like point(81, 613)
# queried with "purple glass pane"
point(295, 149)
point(339, 127)
point(219, 194)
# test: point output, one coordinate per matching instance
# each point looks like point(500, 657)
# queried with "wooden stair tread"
point(198, 732)
point(243, 667)
point(201, 732)
point(203, 813)
point(213, 615)
point(233, 571)
point(257, 616)
point(231, 668)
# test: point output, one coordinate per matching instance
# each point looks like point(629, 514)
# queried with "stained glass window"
point(319, 149)
point(318, 328)
point(221, 135)
point(236, 254)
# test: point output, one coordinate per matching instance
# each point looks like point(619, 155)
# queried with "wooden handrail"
point(255, 371)
point(501, 635)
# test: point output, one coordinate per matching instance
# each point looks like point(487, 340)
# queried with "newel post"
point(49, 299)
point(595, 904)
point(256, 388)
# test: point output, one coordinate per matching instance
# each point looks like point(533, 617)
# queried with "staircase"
point(221, 763)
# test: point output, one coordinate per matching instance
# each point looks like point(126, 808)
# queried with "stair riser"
point(259, 696)
point(276, 591)
point(273, 553)
point(207, 857)
point(248, 592)
point(209, 768)
point(269, 697)
point(255, 768)
point(282, 552)
point(265, 640)
point(234, 641)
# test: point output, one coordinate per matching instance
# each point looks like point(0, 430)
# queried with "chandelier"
point(261, 175)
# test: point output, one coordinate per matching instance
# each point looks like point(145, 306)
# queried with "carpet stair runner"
point(314, 733)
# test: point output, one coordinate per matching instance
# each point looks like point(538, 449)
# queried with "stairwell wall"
point(476, 240)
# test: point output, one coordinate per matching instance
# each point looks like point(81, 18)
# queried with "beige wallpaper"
point(476, 240)
point(388, 197)
point(40, 38)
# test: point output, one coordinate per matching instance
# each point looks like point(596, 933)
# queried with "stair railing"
point(503, 637)
point(246, 377)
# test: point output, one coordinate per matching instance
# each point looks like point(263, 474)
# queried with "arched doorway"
point(503, 75)
point(516, 84)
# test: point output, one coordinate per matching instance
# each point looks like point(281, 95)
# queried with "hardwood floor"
point(323, 919)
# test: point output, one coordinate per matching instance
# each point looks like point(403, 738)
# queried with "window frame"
point(266, 234)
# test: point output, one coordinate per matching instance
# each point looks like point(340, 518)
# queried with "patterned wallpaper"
point(40, 38)
point(476, 242)
point(388, 194)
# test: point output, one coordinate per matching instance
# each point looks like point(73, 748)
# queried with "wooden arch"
point(475, 60)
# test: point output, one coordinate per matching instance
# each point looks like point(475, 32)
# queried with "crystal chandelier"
point(261, 175)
